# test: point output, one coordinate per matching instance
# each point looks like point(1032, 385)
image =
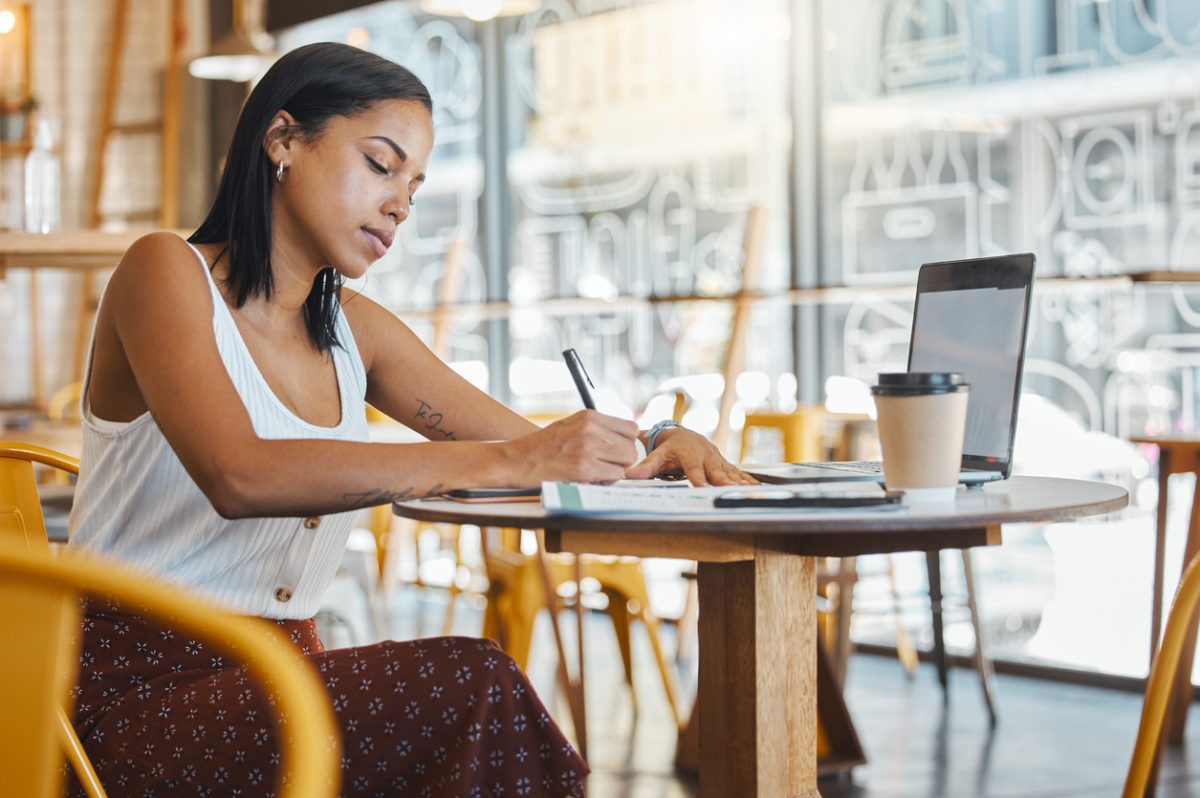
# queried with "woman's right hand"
point(584, 447)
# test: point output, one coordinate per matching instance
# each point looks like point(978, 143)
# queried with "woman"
point(225, 448)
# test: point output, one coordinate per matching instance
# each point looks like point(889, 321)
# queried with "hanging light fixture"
point(242, 54)
point(480, 10)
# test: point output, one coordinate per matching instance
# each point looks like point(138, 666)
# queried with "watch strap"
point(656, 430)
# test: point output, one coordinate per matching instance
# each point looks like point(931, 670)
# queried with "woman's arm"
point(156, 333)
point(408, 382)
point(441, 405)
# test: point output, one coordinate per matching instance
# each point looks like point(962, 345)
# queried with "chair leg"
point(448, 619)
point(651, 625)
point(688, 625)
point(84, 772)
point(905, 650)
point(618, 610)
point(983, 663)
point(573, 688)
point(845, 607)
point(519, 613)
point(1182, 692)
point(933, 565)
point(493, 624)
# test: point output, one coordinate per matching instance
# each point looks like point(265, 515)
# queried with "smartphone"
point(495, 494)
point(779, 497)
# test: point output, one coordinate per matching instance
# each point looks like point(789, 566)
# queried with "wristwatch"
point(656, 430)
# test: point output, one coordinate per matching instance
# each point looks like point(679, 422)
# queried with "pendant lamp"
point(242, 54)
point(480, 10)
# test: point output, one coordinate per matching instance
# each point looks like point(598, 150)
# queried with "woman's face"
point(348, 188)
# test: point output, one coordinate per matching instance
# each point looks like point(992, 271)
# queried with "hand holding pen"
point(689, 454)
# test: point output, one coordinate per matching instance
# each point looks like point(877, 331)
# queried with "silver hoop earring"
point(279, 172)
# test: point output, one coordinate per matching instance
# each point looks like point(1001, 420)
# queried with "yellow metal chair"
point(39, 606)
point(20, 506)
point(517, 594)
point(801, 431)
point(1181, 621)
point(22, 528)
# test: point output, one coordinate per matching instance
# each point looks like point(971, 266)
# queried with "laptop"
point(970, 316)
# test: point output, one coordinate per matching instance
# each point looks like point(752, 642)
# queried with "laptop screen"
point(972, 317)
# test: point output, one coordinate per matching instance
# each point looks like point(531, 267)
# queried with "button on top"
point(312, 522)
point(283, 594)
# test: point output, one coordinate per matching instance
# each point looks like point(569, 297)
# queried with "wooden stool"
point(1176, 455)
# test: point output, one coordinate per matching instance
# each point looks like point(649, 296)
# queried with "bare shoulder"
point(159, 267)
point(159, 285)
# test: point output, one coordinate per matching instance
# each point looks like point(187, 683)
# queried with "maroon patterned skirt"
point(162, 715)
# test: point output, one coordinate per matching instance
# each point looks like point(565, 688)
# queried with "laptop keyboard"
point(857, 466)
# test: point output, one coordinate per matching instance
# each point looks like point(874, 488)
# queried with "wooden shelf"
point(9, 149)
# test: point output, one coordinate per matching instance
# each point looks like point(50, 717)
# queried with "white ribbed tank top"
point(134, 500)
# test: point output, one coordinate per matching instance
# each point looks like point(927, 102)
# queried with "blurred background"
point(596, 168)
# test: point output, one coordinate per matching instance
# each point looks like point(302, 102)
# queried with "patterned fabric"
point(162, 715)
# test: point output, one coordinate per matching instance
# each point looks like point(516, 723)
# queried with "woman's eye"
point(376, 165)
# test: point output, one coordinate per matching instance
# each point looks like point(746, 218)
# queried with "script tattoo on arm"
point(433, 420)
point(375, 496)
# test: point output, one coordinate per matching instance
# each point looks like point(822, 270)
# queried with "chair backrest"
point(20, 509)
point(1159, 685)
point(39, 606)
point(64, 403)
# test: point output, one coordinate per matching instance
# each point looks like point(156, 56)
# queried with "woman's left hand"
point(681, 449)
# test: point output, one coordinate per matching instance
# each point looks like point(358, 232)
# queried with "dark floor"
point(1052, 739)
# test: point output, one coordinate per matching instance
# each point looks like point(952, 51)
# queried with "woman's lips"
point(380, 240)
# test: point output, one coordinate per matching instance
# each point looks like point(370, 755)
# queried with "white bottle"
point(42, 182)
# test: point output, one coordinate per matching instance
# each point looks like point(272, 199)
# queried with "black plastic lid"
point(919, 383)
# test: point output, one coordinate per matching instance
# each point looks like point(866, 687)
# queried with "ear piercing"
point(279, 172)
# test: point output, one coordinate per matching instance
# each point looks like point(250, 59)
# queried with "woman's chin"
point(352, 271)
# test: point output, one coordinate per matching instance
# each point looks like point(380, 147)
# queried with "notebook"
point(970, 316)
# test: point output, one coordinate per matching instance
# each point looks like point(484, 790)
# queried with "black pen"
point(580, 375)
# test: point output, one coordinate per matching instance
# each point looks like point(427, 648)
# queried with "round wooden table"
point(758, 587)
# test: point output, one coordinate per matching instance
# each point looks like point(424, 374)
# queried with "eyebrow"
point(400, 153)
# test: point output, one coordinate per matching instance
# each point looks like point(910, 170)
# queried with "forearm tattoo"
point(375, 496)
point(432, 420)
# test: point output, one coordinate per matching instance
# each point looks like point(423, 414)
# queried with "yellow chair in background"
point(1181, 621)
point(64, 403)
point(39, 606)
point(517, 594)
point(801, 432)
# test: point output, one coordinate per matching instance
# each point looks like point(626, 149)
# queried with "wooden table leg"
point(933, 564)
point(758, 677)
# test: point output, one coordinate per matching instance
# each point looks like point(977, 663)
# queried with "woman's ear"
point(277, 141)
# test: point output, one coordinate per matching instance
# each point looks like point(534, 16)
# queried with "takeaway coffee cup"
point(921, 417)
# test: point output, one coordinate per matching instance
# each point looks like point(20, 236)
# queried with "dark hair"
point(312, 83)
